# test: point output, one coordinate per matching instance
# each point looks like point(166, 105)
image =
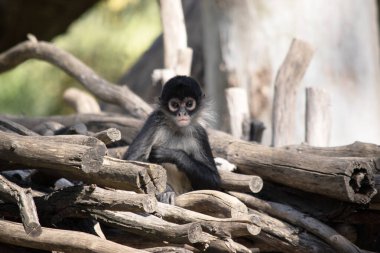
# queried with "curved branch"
point(104, 90)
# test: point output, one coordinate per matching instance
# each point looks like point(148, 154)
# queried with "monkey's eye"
point(173, 104)
point(190, 103)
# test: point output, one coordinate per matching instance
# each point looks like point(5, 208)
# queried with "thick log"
point(213, 203)
point(80, 162)
point(59, 240)
point(356, 149)
point(81, 101)
point(287, 81)
point(304, 172)
point(24, 199)
point(297, 218)
point(101, 88)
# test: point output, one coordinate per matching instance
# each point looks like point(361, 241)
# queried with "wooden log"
point(286, 84)
point(168, 249)
point(80, 162)
point(292, 216)
point(47, 128)
point(356, 149)
point(239, 182)
point(231, 228)
point(150, 226)
point(212, 203)
point(318, 117)
point(304, 172)
point(128, 126)
point(90, 197)
point(81, 101)
point(59, 240)
point(108, 136)
point(24, 199)
point(101, 88)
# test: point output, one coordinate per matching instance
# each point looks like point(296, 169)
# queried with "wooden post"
point(287, 81)
point(317, 118)
point(177, 56)
point(237, 106)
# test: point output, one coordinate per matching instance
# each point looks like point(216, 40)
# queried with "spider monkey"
point(174, 136)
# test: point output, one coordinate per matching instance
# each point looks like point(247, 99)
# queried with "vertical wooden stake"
point(318, 117)
point(287, 81)
point(237, 106)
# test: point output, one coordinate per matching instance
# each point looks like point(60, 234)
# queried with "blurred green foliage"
point(109, 38)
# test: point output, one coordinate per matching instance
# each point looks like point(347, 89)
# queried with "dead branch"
point(292, 216)
point(213, 203)
point(59, 240)
point(81, 101)
point(15, 127)
point(24, 199)
point(104, 90)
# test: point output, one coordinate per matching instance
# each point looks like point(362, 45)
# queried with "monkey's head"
point(181, 98)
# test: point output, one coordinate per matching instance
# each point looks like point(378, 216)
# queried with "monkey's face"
point(182, 110)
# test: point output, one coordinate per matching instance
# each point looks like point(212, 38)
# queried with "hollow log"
point(340, 177)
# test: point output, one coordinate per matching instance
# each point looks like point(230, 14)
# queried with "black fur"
point(154, 143)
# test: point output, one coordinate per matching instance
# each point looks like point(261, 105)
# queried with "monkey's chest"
point(176, 178)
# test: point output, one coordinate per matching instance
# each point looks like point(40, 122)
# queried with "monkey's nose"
point(182, 112)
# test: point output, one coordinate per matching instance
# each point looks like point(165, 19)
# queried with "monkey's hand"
point(163, 155)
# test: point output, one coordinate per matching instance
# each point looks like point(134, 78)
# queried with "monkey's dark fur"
point(173, 134)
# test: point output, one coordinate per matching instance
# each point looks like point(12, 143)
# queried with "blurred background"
point(108, 36)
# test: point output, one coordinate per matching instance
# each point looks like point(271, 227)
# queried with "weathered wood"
point(128, 126)
point(356, 149)
point(293, 216)
point(99, 87)
point(150, 226)
point(304, 172)
point(212, 203)
point(80, 162)
point(286, 238)
point(317, 117)
point(168, 249)
point(24, 199)
point(81, 101)
point(47, 128)
point(239, 182)
point(238, 111)
point(286, 84)
point(108, 136)
point(90, 197)
point(59, 240)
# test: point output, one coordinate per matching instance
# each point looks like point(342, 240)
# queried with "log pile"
point(288, 199)
point(64, 186)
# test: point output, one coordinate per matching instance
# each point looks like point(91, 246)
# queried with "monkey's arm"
point(202, 174)
point(140, 147)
